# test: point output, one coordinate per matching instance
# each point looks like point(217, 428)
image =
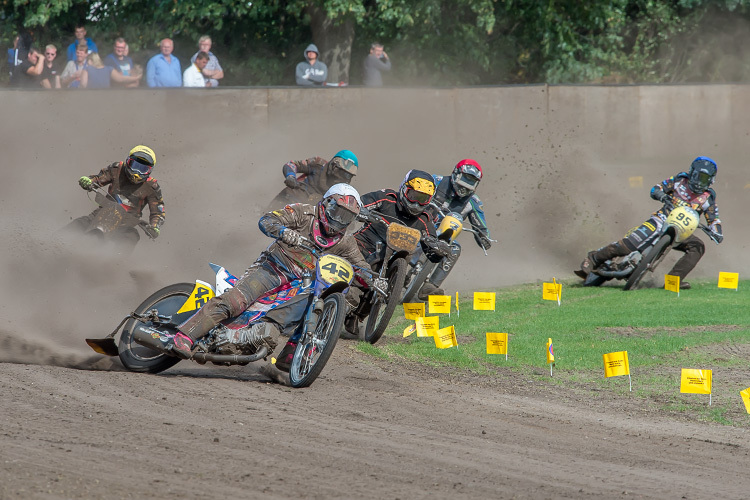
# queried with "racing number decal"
point(684, 219)
point(200, 296)
point(202, 293)
point(333, 269)
point(341, 273)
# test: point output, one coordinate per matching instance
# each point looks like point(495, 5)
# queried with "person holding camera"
point(375, 62)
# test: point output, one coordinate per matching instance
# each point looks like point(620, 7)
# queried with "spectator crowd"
point(32, 67)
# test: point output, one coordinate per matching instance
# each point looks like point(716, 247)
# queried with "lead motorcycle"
point(679, 225)
point(310, 310)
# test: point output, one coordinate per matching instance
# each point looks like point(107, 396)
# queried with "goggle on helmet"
point(140, 163)
point(702, 174)
point(465, 177)
point(416, 191)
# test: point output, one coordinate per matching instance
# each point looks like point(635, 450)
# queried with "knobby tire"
point(381, 312)
point(643, 265)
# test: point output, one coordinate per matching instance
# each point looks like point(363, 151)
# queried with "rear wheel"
point(645, 264)
point(313, 351)
point(382, 309)
point(139, 358)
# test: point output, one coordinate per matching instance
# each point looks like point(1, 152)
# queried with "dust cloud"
point(550, 191)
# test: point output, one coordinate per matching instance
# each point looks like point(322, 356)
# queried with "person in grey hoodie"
point(311, 72)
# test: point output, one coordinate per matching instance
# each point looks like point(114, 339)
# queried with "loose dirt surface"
point(75, 425)
point(366, 429)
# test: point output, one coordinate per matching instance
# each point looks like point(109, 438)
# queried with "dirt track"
point(73, 426)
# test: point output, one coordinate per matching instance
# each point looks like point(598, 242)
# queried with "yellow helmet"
point(416, 191)
point(140, 162)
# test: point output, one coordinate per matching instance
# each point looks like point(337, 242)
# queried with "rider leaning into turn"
point(456, 193)
point(691, 188)
point(282, 262)
point(406, 207)
point(314, 176)
point(131, 182)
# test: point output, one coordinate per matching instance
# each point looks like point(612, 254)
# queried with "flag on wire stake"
point(410, 329)
point(484, 301)
point(552, 291)
point(445, 338)
point(729, 280)
point(413, 311)
point(427, 326)
point(672, 283)
point(497, 343)
point(440, 304)
point(746, 398)
point(616, 364)
point(695, 381)
point(550, 356)
point(458, 313)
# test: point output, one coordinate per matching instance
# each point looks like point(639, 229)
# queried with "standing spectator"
point(193, 76)
point(375, 62)
point(80, 34)
point(98, 76)
point(213, 70)
point(120, 61)
point(71, 75)
point(163, 70)
point(311, 72)
point(50, 77)
point(19, 52)
point(28, 72)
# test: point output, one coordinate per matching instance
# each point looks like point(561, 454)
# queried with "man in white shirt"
point(193, 76)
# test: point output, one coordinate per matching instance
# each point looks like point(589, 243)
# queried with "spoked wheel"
point(313, 351)
point(382, 309)
point(139, 358)
point(645, 264)
point(412, 288)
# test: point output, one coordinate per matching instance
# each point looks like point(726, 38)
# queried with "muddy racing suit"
point(277, 266)
point(134, 197)
point(470, 208)
point(311, 178)
point(640, 237)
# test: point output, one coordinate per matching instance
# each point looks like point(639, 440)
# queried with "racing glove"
point(483, 241)
point(660, 195)
point(152, 231)
point(291, 237)
point(291, 182)
point(86, 183)
point(715, 228)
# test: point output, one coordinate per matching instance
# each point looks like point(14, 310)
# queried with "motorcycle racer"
point(456, 193)
point(308, 179)
point(282, 262)
point(691, 188)
point(129, 181)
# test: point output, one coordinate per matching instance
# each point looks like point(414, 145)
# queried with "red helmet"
point(465, 177)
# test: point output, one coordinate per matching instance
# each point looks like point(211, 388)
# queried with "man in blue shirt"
point(80, 33)
point(122, 63)
point(163, 70)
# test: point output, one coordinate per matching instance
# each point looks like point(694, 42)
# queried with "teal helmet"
point(344, 165)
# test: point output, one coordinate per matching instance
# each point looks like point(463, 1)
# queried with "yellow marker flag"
point(440, 304)
point(445, 337)
point(409, 330)
point(746, 398)
point(550, 352)
point(413, 311)
point(457, 311)
point(695, 381)
point(484, 301)
point(729, 280)
point(497, 343)
point(552, 291)
point(616, 364)
point(427, 326)
point(672, 283)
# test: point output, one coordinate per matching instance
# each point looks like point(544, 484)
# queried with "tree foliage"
point(431, 42)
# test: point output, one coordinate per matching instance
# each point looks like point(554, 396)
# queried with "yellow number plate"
point(403, 238)
point(332, 269)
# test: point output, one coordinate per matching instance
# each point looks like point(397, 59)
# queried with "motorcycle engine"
point(243, 341)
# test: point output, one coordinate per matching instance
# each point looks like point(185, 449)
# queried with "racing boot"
point(284, 361)
point(596, 258)
point(182, 345)
point(429, 289)
point(351, 327)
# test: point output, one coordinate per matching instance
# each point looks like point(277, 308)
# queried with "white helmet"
point(338, 208)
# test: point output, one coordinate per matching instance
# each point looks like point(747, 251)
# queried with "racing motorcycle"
point(421, 268)
point(112, 219)
point(377, 304)
point(310, 309)
point(680, 224)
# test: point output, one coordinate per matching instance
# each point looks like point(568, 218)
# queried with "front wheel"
point(139, 358)
point(313, 350)
point(412, 289)
point(382, 309)
point(645, 264)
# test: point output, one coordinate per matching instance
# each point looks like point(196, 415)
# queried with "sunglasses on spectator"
point(50, 53)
